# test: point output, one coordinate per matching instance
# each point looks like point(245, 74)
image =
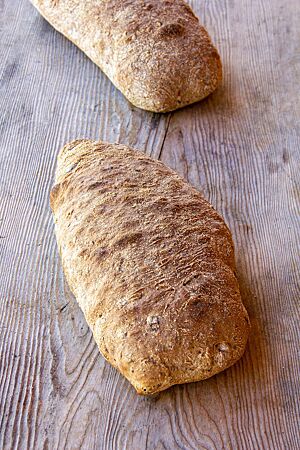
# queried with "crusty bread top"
point(154, 51)
point(151, 264)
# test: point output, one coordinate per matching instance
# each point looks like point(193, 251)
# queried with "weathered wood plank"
point(239, 147)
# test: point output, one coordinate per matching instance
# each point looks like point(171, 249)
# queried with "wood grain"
point(240, 147)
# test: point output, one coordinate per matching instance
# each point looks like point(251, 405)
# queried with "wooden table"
point(240, 147)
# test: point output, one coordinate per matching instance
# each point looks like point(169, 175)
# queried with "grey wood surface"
point(240, 147)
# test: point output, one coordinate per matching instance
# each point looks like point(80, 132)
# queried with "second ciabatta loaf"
point(154, 51)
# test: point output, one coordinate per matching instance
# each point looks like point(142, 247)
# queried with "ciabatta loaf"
point(151, 264)
point(154, 51)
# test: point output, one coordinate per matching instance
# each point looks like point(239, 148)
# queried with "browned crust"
point(154, 51)
point(151, 264)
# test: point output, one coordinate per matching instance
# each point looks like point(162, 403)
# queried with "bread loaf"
point(154, 51)
point(151, 264)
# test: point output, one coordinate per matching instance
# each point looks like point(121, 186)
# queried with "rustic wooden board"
point(240, 147)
